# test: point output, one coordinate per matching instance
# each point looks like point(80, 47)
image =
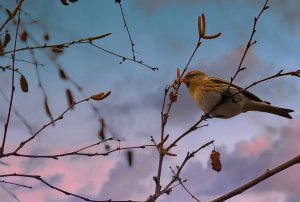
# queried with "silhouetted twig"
point(88, 40)
point(18, 9)
point(249, 44)
point(259, 179)
point(181, 183)
point(17, 113)
point(39, 178)
point(127, 29)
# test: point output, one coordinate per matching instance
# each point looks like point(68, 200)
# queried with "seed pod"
point(46, 36)
point(70, 98)
point(23, 84)
point(101, 130)
point(199, 26)
point(173, 96)
point(130, 158)
point(215, 160)
point(47, 109)
point(57, 50)
point(24, 36)
point(100, 96)
point(1, 47)
point(62, 74)
point(6, 39)
point(98, 37)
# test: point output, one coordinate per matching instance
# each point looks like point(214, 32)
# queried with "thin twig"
point(165, 116)
point(8, 67)
point(123, 57)
point(181, 183)
point(22, 144)
point(279, 74)
point(88, 40)
point(26, 61)
point(127, 29)
point(249, 44)
point(12, 78)
point(259, 179)
point(166, 189)
point(16, 112)
point(78, 153)
point(39, 178)
point(12, 15)
point(17, 184)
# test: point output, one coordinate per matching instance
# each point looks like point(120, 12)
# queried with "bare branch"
point(259, 179)
point(249, 44)
point(39, 178)
point(127, 29)
point(18, 9)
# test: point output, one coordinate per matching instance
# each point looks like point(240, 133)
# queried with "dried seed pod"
point(101, 133)
point(212, 36)
point(173, 96)
point(102, 129)
point(6, 39)
point(215, 160)
point(178, 73)
point(100, 96)
point(24, 36)
point(130, 158)
point(98, 37)
point(199, 26)
point(47, 109)
point(57, 50)
point(203, 24)
point(70, 98)
point(62, 74)
point(46, 36)
point(1, 47)
point(23, 84)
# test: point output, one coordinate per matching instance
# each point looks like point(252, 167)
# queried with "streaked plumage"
point(208, 92)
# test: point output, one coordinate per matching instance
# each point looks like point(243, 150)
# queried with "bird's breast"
point(207, 100)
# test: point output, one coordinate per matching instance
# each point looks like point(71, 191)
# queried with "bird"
point(214, 98)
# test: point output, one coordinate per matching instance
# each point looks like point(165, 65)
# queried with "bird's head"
point(193, 77)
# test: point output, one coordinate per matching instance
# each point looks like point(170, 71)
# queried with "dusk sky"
point(164, 33)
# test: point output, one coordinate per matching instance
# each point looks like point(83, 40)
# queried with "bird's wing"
point(245, 92)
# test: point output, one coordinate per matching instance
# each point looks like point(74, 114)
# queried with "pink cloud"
point(72, 174)
point(254, 147)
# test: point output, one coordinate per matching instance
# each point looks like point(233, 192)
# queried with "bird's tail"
point(264, 107)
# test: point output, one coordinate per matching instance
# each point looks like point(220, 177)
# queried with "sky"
point(164, 33)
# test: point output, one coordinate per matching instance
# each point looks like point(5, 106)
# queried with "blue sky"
point(164, 33)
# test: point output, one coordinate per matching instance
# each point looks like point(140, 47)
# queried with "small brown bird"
point(212, 97)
